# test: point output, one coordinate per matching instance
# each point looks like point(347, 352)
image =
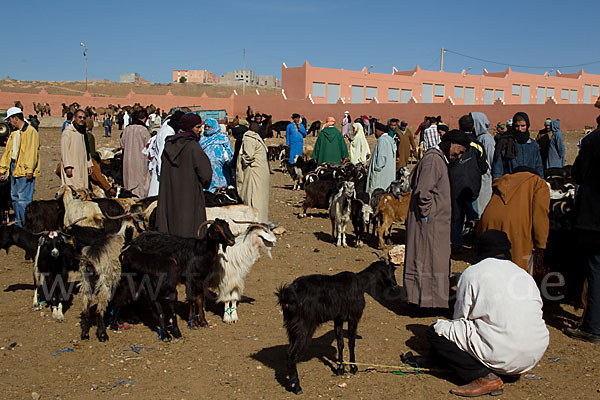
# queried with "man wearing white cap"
point(20, 161)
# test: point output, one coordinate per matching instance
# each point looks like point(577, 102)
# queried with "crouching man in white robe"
point(498, 327)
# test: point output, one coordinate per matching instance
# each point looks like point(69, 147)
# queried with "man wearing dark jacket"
point(185, 172)
point(465, 181)
point(515, 148)
point(586, 173)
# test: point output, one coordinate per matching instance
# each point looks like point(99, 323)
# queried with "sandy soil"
point(247, 359)
point(116, 89)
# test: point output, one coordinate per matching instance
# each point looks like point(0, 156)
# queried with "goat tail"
point(286, 298)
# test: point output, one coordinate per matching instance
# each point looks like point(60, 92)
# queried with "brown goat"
point(389, 210)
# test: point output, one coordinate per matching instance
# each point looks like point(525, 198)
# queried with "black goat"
point(13, 235)
point(44, 215)
point(53, 261)
point(299, 170)
point(156, 262)
point(314, 128)
point(360, 215)
point(312, 300)
point(278, 152)
point(113, 168)
point(5, 200)
point(222, 197)
point(278, 127)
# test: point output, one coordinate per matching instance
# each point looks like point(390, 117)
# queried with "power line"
point(522, 66)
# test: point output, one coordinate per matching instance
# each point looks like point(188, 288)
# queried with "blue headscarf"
point(214, 127)
point(217, 147)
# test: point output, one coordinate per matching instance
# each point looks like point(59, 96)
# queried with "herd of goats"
point(124, 263)
point(110, 111)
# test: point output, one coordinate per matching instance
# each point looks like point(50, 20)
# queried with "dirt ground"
point(247, 359)
point(107, 88)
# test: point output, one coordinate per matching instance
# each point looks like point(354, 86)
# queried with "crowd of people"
point(466, 174)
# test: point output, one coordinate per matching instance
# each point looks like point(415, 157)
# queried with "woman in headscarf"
point(154, 149)
point(359, 148)
point(515, 148)
point(346, 122)
point(217, 147)
point(185, 172)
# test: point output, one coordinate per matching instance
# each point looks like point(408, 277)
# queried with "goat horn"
point(74, 222)
point(562, 207)
point(202, 225)
point(249, 222)
point(13, 222)
point(122, 215)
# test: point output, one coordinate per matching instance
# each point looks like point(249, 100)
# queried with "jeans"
point(21, 192)
point(466, 367)
point(107, 131)
point(591, 319)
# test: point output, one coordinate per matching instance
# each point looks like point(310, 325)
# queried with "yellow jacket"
point(28, 155)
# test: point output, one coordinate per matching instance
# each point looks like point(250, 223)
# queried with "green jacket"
point(330, 147)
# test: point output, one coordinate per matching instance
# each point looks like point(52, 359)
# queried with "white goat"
point(80, 212)
point(234, 264)
point(233, 213)
point(339, 212)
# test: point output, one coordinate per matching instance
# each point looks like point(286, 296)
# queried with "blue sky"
point(153, 37)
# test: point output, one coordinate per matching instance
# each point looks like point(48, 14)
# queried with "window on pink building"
point(393, 95)
point(516, 90)
point(357, 94)
point(438, 91)
point(318, 89)
point(406, 96)
point(549, 92)
point(370, 93)
point(564, 94)
point(458, 92)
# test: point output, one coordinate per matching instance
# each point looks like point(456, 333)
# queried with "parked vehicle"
point(219, 115)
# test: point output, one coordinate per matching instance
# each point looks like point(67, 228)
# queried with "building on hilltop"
point(247, 76)
point(194, 76)
point(129, 78)
point(328, 86)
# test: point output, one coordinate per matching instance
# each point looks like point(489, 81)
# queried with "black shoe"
point(579, 334)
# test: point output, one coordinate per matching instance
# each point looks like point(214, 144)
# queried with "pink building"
point(194, 76)
point(328, 86)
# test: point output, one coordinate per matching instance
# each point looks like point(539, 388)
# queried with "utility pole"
point(442, 60)
point(244, 71)
point(85, 58)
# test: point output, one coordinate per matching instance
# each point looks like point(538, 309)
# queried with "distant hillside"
point(110, 89)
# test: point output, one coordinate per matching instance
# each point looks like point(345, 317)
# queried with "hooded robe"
point(359, 148)
point(330, 147)
point(556, 149)
point(519, 207)
point(253, 174)
point(185, 172)
point(382, 167)
point(482, 124)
